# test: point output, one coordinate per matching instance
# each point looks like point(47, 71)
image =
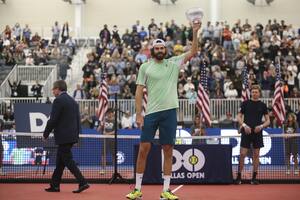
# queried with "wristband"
point(244, 125)
point(261, 126)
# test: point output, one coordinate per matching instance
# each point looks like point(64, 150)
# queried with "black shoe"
point(82, 188)
point(238, 181)
point(254, 182)
point(52, 189)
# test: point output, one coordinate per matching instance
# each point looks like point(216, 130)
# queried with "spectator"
point(291, 143)
point(37, 89)
point(78, 93)
point(17, 31)
point(55, 33)
point(65, 32)
point(189, 85)
point(126, 121)
point(231, 93)
point(15, 88)
point(198, 130)
point(27, 34)
point(86, 120)
point(104, 34)
point(228, 122)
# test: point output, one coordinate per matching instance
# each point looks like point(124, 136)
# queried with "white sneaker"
point(296, 172)
point(288, 172)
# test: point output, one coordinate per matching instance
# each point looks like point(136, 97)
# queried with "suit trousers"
point(64, 158)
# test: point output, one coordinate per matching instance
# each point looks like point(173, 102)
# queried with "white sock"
point(166, 182)
point(138, 181)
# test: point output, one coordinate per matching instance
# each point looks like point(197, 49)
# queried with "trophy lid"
point(194, 14)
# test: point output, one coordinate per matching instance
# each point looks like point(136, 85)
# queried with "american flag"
point(103, 99)
point(202, 95)
point(145, 100)
point(278, 100)
point(245, 90)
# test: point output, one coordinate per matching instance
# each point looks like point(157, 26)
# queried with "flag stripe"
point(202, 95)
point(278, 100)
point(103, 100)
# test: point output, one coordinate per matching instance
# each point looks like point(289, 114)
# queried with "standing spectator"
point(37, 89)
point(109, 143)
point(104, 34)
point(17, 31)
point(64, 120)
point(55, 33)
point(152, 27)
point(7, 32)
point(115, 34)
point(227, 35)
point(14, 88)
point(65, 33)
point(27, 34)
point(291, 143)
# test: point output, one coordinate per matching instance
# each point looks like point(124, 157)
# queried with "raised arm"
point(193, 51)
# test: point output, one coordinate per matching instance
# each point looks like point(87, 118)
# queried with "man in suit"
point(65, 121)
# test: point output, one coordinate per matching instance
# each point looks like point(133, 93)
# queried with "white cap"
point(158, 42)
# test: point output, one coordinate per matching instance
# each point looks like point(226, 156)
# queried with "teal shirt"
point(161, 80)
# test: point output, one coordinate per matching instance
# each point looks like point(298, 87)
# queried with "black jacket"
point(64, 120)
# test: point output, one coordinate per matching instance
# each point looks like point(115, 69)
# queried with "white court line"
point(180, 186)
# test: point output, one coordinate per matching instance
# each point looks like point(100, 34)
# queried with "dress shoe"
point(52, 189)
point(82, 188)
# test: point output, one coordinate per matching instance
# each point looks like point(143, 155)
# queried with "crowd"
point(226, 49)
point(19, 45)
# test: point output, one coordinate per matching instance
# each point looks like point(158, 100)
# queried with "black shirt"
point(253, 112)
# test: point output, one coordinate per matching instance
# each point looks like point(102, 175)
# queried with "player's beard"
point(159, 55)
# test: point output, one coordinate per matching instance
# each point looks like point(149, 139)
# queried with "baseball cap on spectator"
point(158, 42)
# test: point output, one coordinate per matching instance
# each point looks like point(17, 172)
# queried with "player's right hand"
point(139, 120)
point(247, 129)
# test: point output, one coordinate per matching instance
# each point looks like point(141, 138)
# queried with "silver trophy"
point(194, 15)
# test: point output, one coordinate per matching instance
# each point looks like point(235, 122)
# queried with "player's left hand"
point(257, 129)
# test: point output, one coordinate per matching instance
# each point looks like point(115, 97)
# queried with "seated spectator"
point(295, 93)
point(78, 93)
point(191, 95)
point(227, 122)
point(189, 85)
point(231, 93)
point(198, 130)
point(126, 121)
point(86, 120)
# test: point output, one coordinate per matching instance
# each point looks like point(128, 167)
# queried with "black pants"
point(64, 158)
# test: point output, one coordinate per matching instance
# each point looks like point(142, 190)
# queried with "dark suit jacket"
point(64, 120)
